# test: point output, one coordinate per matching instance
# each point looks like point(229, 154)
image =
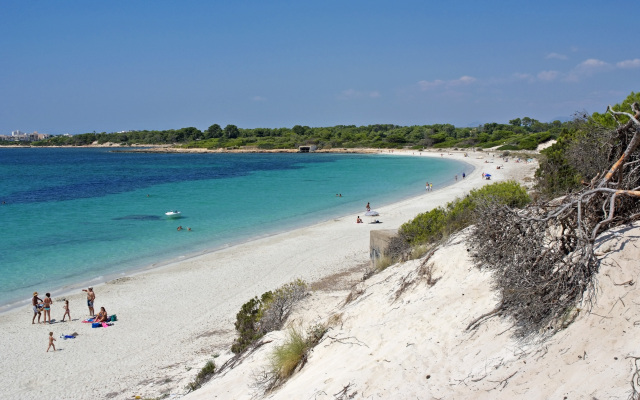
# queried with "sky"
point(84, 66)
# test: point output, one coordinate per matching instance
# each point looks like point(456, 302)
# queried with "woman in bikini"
point(47, 307)
point(102, 315)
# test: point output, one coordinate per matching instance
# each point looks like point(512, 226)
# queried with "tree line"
point(519, 134)
point(525, 133)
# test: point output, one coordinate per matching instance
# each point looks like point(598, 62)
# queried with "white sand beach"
point(172, 319)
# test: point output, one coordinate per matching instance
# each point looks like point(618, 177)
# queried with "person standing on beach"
point(66, 310)
point(91, 296)
point(47, 307)
point(51, 340)
point(36, 310)
point(368, 207)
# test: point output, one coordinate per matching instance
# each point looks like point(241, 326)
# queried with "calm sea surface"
point(75, 216)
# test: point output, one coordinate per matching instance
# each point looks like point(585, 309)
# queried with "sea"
point(74, 217)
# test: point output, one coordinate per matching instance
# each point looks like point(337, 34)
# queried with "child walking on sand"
point(51, 340)
point(66, 310)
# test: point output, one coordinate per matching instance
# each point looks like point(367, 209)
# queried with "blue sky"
point(79, 66)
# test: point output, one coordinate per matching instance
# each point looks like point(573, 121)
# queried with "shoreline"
point(175, 317)
point(67, 289)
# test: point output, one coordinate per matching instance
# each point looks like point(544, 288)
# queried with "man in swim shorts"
point(91, 296)
point(36, 311)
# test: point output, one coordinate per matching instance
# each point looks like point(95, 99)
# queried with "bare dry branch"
point(543, 257)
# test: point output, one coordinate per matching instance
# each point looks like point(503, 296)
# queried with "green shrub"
point(508, 147)
point(247, 323)
point(441, 222)
point(261, 315)
point(204, 375)
point(286, 357)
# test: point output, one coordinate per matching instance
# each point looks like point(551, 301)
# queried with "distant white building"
point(37, 136)
point(17, 136)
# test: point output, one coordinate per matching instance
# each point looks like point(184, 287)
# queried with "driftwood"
point(543, 256)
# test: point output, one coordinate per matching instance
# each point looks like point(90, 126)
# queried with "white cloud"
point(556, 56)
point(628, 64)
point(592, 63)
point(463, 80)
point(259, 98)
point(547, 76)
point(587, 68)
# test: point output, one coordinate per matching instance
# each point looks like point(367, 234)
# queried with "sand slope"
point(411, 343)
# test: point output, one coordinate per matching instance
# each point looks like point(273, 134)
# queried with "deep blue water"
point(80, 215)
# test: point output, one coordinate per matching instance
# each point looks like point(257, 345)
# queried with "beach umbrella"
point(372, 213)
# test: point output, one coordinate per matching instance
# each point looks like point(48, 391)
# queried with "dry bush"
point(265, 314)
point(334, 320)
point(279, 306)
point(353, 294)
point(543, 256)
point(426, 271)
point(398, 249)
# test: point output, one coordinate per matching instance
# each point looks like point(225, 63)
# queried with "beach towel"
point(100, 324)
point(86, 321)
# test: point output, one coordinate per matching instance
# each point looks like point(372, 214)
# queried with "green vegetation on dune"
point(439, 223)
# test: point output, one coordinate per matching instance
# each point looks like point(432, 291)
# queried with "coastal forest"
point(519, 134)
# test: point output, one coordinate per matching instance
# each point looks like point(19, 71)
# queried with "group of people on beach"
point(429, 185)
point(43, 306)
point(368, 207)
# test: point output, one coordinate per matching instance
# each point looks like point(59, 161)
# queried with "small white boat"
point(173, 214)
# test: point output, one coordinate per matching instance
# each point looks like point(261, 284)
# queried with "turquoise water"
point(76, 216)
